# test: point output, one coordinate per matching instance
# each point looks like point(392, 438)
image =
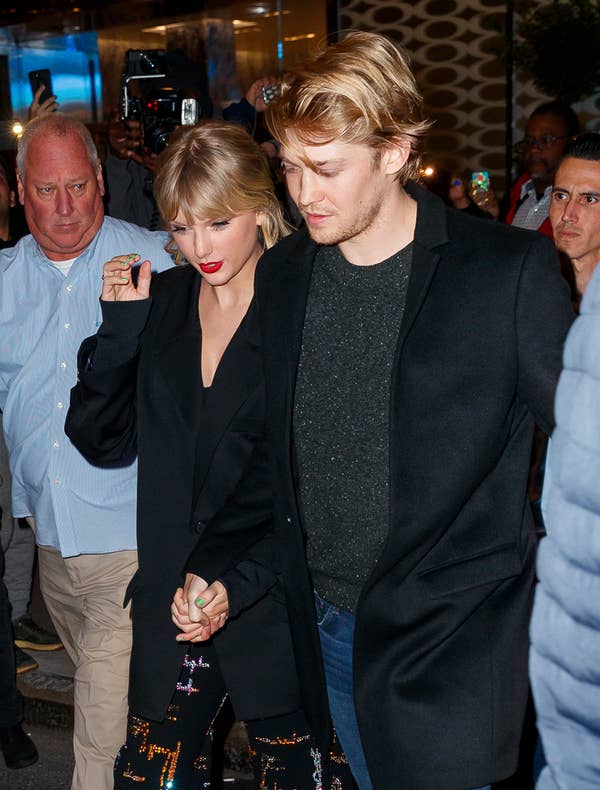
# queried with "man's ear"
point(396, 155)
point(100, 178)
point(20, 189)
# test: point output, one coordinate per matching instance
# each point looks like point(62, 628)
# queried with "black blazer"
point(138, 391)
point(441, 642)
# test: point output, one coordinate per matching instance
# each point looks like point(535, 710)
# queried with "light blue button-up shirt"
point(44, 316)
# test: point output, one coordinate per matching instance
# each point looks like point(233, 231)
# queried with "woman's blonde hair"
point(360, 90)
point(215, 170)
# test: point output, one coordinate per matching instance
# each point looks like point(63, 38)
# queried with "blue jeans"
point(336, 632)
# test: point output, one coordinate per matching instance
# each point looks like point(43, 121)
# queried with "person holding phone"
point(44, 101)
point(174, 377)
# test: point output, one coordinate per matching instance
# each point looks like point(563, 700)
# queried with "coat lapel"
point(430, 234)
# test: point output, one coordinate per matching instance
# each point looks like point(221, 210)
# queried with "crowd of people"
point(279, 452)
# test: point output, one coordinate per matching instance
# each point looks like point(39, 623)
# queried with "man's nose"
point(64, 202)
point(310, 190)
point(570, 213)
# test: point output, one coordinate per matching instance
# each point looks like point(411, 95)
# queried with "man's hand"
point(46, 107)
point(199, 609)
point(117, 285)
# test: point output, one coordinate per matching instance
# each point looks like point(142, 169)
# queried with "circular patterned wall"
point(456, 47)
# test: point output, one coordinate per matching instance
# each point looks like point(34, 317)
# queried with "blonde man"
point(408, 349)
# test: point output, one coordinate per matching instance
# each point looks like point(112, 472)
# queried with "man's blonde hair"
point(215, 170)
point(360, 90)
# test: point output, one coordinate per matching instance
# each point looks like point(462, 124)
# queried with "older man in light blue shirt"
point(50, 284)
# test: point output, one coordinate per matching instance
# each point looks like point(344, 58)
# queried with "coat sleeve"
point(101, 421)
point(543, 316)
point(236, 546)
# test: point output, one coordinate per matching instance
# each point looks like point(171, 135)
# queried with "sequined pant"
point(175, 754)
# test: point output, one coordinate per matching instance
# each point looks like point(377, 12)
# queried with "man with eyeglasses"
point(548, 131)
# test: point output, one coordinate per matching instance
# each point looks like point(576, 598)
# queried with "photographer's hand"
point(254, 94)
point(48, 106)
point(125, 139)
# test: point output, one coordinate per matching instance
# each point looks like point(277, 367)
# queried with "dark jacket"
point(138, 392)
point(440, 654)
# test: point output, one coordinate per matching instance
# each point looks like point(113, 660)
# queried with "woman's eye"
point(220, 223)
point(178, 229)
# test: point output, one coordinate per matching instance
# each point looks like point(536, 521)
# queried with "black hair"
point(586, 146)
point(559, 109)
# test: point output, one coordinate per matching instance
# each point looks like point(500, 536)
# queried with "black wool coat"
point(137, 394)
point(441, 641)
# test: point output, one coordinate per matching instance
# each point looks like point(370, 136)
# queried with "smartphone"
point(270, 93)
point(480, 179)
point(36, 78)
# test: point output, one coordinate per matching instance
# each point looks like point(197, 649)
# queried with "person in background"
point(18, 749)
point(84, 517)
point(565, 626)
point(174, 376)
point(574, 208)
point(130, 165)
point(18, 541)
point(548, 131)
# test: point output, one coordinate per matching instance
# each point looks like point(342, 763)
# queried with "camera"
point(154, 93)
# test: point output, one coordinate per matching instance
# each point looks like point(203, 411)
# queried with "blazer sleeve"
point(543, 316)
point(101, 421)
point(236, 546)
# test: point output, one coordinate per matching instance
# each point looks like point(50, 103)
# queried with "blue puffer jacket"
point(565, 627)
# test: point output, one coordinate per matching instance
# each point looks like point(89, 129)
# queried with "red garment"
point(515, 198)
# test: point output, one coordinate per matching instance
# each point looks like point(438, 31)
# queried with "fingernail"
point(123, 279)
point(200, 601)
point(180, 638)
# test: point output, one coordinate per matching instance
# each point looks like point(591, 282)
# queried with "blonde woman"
point(174, 376)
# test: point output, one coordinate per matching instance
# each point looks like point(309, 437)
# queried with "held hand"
point(254, 94)
point(486, 200)
point(199, 610)
point(46, 107)
point(117, 285)
point(125, 138)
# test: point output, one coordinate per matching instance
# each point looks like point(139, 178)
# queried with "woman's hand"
point(117, 285)
point(199, 609)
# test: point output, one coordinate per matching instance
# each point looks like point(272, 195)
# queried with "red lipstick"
point(211, 267)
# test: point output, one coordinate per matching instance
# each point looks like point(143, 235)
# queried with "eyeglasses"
point(542, 143)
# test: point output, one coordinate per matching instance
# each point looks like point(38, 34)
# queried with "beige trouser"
point(84, 596)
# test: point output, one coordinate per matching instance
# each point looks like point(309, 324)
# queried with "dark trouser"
point(177, 750)
point(11, 704)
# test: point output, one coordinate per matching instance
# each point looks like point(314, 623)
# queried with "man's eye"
point(45, 190)
point(591, 199)
point(557, 196)
point(78, 187)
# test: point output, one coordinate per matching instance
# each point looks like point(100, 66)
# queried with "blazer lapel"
point(237, 377)
point(178, 345)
